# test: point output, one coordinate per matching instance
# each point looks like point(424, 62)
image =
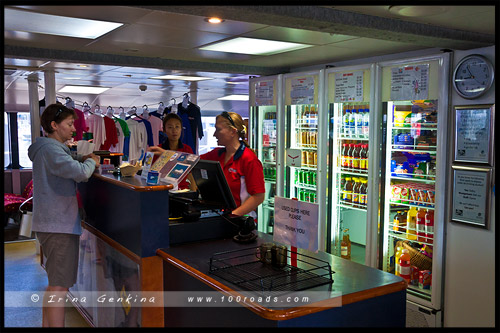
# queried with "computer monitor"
point(213, 186)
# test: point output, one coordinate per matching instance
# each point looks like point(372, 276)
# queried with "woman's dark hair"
point(57, 113)
point(168, 116)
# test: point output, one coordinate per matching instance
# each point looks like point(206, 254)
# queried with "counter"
point(368, 297)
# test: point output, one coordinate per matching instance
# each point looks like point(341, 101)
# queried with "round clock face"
point(473, 76)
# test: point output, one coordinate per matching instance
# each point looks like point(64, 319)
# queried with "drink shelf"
point(426, 181)
point(363, 173)
point(268, 206)
point(414, 149)
point(412, 203)
point(306, 187)
point(269, 162)
point(402, 235)
point(270, 180)
point(351, 206)
point(348, 137)
point(306, 146)
point(422, 128)
point(243, 268)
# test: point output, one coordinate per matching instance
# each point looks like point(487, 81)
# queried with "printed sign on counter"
point(349, 87)
point(296, 223)
point(410, 82)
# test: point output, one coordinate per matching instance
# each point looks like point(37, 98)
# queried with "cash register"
point(211, 205)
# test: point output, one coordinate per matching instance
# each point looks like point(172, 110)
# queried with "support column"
point(34, 106)
point(50, 86)
point(193, 96)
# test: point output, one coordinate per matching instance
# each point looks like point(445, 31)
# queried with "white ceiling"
point(159, 40)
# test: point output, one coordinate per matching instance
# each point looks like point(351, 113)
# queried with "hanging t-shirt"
point(80, 124)
point(138, 139)
point(194, 115)
point(97, 128)
point(156, 128)
point(111, 134)
point(149, 132)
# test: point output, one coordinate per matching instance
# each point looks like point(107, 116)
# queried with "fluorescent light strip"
point(83, 90)
point(234, 98)
point(181, 77)
point(254, 46)
point(20, 20)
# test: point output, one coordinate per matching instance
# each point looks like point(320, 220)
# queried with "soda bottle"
point(355, 191)
point(411, 224)
point(355, 156)
point(345, 246)
point(429, 225)
point(363, 196)
point(397, 221)
point(404, 266)
point(421, 224)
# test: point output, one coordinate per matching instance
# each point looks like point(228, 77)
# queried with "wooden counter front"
point(369, 297)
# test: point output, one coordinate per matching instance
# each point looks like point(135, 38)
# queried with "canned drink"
point(301, 177)
point(304, 158)
point(301, 195)
point(314, 178)
point(306, 196)
point(307, 177)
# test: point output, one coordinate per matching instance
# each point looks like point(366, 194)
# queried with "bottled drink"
point(411, 224)
point(421, 224)
point(398, 255)
point(356, 157)
point(363, 158)
point(345, 153)
point(345, 246)
point(305, 116)
point(350, 156)
point(358, 123)
point(347, 122)
point(314, 117)
point(351, 124)
point(404, 265)
point(363, 196)
point(397, 221)
point(403, 218)
point(429, 225)
point(348, 191)
point(355, 191)
point(366, 121)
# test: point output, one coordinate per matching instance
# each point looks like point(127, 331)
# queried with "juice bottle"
point(411, 224)
point(348, 191)
point(345, 246)
point(349, 157)
point(398, 255)
point(355, 191)
point(404, 265)
point(421, 224)
point(345, 162)
point(363, 197)
point(305, 116)
point(397, 221)
point(429, 225)
point(363, 159)
point(355, 157)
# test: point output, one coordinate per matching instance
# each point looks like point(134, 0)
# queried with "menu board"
point(410, 82)
point(472, 134)
point(349, 87)
point(264, 93)
point(470, 196)
point(302, 90)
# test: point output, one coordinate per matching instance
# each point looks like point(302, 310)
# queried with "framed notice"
point(471, 195)
point(473, 125)
point(410, 82)
point(349, 87)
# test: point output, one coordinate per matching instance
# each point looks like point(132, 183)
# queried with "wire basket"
point(418, 259)
point(243, 268)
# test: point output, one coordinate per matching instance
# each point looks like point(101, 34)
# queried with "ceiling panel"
point(297, 35)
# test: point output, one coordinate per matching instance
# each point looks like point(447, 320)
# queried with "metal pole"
point(50, 86)
point(34, 106)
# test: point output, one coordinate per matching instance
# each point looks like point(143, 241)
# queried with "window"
point(17, 140)
point(208, 142)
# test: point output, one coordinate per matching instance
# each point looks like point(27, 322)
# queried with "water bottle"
point(366, 123)
point(346, 122)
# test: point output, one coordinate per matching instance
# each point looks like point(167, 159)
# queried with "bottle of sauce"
point(411, 224)
point(345, 246)
point(421, 224)
point(355, 157)
point(429, 225)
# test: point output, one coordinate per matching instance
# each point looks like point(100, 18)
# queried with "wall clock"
point(473, 76)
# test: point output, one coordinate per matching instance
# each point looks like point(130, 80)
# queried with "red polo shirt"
point(243, 172)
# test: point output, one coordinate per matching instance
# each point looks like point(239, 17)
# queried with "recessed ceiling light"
point(82, 66)
point(181, 77)
point(20, 20)
point(254, 46)
point(214, 20)
point(234, 98)
point(83, 90)
point(417, 11)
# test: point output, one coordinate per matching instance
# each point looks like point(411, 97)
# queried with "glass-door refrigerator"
point(353, 172)
point(414, 100)
point(263, 95)
point(304, 137)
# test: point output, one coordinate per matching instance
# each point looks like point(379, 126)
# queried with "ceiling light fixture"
point(20, 20)
point(417, 11)
point(181, 77)
point(234, 98)
point(83, 90)
point(253, 46)
point(214, 20)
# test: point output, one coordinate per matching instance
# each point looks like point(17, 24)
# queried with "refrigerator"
point(353, 170)
point(413, 99)
point(302, 168)
point(263, 95)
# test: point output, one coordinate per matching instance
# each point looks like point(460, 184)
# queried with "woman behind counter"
point(242, 168)
point(56, 219)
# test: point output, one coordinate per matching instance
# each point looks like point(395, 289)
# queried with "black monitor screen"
point(212, 184)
